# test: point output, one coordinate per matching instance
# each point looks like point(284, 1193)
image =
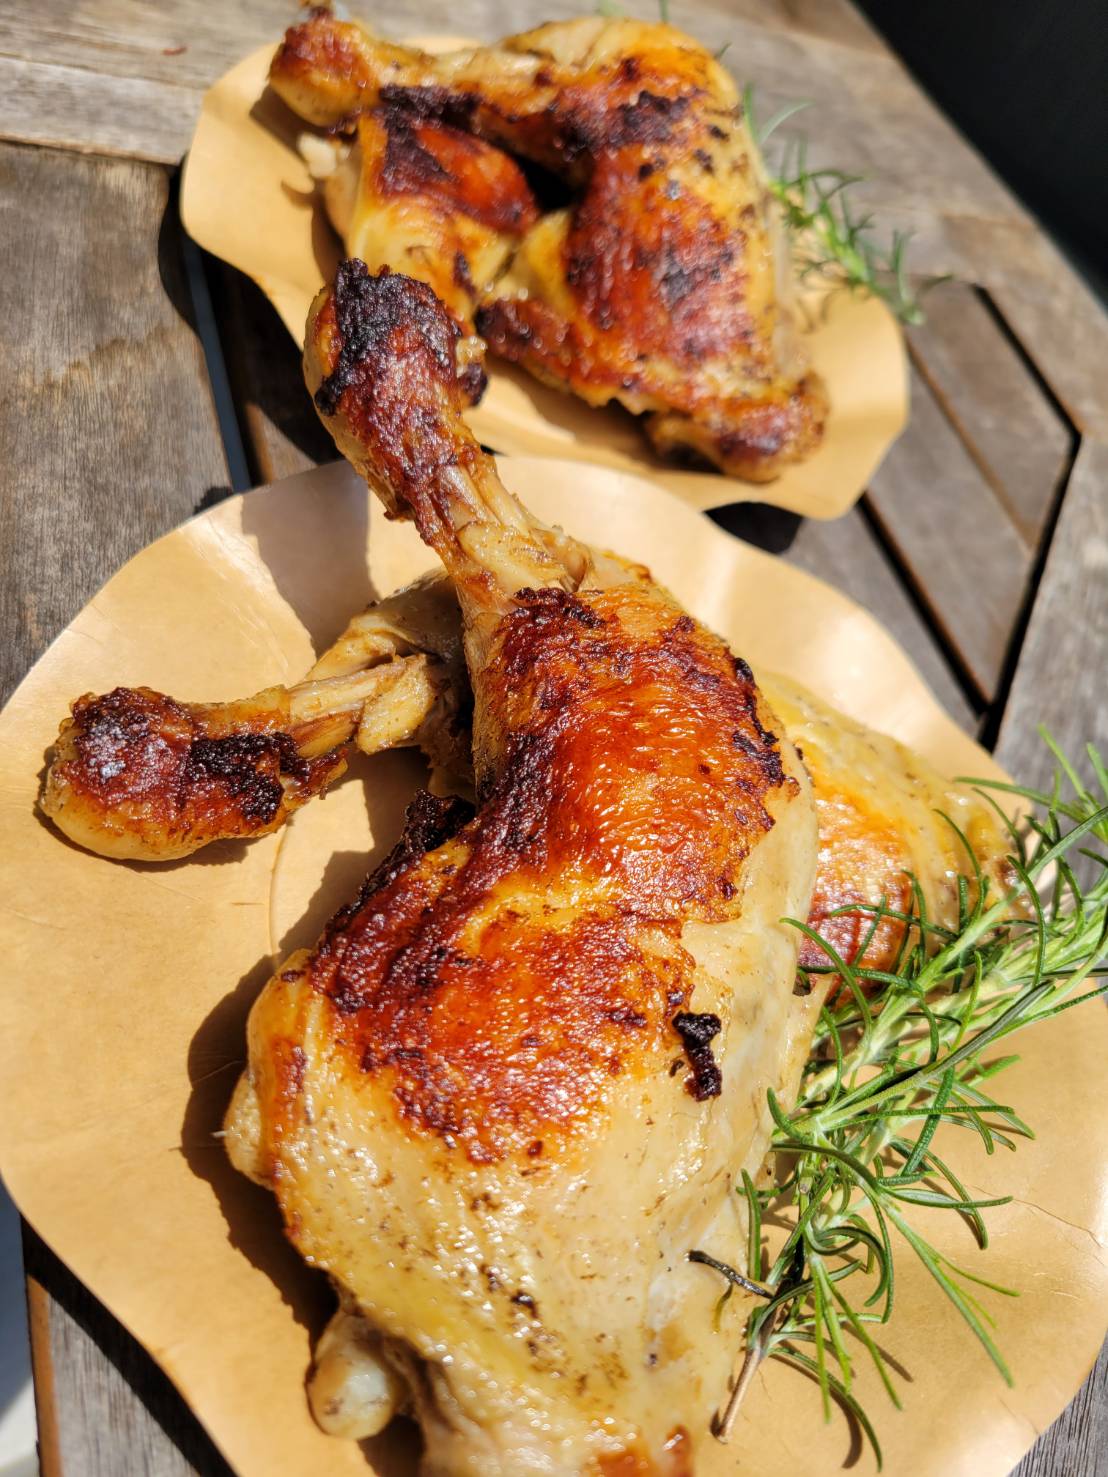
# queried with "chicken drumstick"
point(138, 776)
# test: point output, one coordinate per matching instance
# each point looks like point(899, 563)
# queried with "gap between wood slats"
point(995, 715)
point(233, 449)
point(960, 673)
point(954, 543)
point(1003, 411)
point(276, 421)
point(1058, 667)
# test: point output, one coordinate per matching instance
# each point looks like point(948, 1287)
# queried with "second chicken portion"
point(661, 285)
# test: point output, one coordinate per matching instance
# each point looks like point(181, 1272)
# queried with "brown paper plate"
point(248, 198)
point(128, 987)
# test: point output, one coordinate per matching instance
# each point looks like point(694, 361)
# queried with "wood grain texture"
point(956, 541)
point(1063, 326)
point(189, 44)
point(1060, 682)
point(110, 439)
point(1060, 679)
point(113, 1412)
point(107, 421)
point(1076, 1445)
point(80, 110)
point(1019, 441)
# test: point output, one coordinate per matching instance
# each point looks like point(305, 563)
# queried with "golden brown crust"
point(659, 287)
point(136, 761)
point(430, 200)
point(385, 349)
point(454, 171)
point(631, 795)
point(322, 55)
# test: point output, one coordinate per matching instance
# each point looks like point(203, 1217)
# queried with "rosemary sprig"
point(899, 1054)
point(829, 241)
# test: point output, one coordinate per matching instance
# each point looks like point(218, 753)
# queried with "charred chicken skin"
point(435, 203)
point(509, 1087)
point(661, 286)
point(138, 776)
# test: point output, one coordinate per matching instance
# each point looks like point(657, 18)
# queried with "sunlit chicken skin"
point(563, 1013)
point(880, 807)
point(435, 203)
point(137, 775)
point(887, 823)
point(661, 286)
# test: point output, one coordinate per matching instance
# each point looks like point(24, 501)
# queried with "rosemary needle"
point(899, 1054)
point(829, 241)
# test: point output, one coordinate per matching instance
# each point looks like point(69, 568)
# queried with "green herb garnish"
point(829, 241)
point(896, 1055)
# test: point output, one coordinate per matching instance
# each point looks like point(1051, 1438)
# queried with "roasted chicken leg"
point(511, 1086)
point(662, 286)
point(136, 774)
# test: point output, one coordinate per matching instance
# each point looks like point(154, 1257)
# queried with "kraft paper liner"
point(128, 988)
point(248, 198)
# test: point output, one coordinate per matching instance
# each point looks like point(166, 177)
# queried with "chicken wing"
point(663, 286)
point(511, 1086)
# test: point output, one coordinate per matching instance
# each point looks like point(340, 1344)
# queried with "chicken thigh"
point(435, 203)
point(514, 1082)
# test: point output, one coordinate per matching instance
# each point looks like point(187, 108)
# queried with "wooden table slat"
point(1060, 682)
point(107, 413)
point(1076, 1445)
point(954, 537)
point(1019, 440)
point(1060, 678)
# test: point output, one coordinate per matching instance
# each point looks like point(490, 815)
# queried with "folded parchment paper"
point(127, 988)
point(247, 197)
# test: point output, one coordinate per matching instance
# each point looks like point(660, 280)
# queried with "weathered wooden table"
point(982, 542)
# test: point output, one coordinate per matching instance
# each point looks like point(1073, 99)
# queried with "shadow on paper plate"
point(323, 586)
point(216, 1057)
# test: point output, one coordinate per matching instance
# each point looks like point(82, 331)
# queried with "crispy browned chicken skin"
point(553, 1022)
point(155, 765)
point(660, 286)
point(139, 776)
point(436, 203)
